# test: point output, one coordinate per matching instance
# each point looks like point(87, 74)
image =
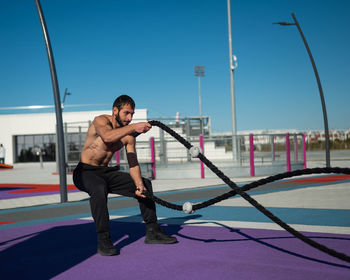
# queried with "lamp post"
point(325, 119)
point(233, 66)
point(199, 72)
point(58, 108)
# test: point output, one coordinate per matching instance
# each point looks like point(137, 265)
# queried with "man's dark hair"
point(124, 100)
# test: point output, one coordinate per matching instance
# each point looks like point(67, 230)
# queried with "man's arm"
point(134, 167)
point(109, 134)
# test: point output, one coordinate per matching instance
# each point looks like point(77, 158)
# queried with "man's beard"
point(119, 121)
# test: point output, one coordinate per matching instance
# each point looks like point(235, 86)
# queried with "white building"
point(21, 133)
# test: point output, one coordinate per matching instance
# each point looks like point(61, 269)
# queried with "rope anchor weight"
point(195, 151)
point(187, 207)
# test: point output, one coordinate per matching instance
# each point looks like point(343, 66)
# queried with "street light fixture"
point(199, 72)
point(325, 119)
point(64, 97)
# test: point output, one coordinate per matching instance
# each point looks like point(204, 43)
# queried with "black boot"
point(105, 246)
point(155, 235)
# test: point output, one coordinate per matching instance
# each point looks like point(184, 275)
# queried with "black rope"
point(242, 192)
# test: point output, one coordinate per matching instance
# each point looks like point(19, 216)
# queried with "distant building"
point(23, 134)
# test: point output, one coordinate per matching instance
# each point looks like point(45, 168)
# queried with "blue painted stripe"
point(322, 217)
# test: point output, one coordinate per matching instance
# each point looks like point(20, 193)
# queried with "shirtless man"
point(106, 135)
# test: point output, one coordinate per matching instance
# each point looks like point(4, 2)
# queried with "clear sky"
point(148, 50)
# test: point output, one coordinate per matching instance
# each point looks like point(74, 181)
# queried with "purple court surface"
point(66, 250)
point(54, 243)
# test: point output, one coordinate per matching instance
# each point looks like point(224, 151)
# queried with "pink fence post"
point(202, 147)
point(304, 151)
point(117, 157)
point(273, 148)
point(288, 153)
point(296, 147)
point(251, 144)
point(153, 158)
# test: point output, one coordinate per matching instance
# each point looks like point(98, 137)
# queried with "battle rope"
point(242, 192)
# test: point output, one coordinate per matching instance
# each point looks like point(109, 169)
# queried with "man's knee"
point(98, 192)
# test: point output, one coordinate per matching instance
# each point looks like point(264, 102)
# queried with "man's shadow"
point(47, 253)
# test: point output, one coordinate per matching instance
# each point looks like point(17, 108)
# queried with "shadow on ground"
point(50, 252)
point(47, 253)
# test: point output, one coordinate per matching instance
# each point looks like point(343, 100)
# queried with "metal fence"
point(157, 149)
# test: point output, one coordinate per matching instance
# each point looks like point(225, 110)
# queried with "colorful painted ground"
point(225, 241)
point(8, 191)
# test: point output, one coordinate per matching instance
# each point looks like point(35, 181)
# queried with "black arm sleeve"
point(132, 159)
point(135, 134)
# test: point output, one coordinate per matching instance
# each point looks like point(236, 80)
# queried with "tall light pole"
point(58, 108)
point(323, 103)
point(199, 72)
point(233, 66)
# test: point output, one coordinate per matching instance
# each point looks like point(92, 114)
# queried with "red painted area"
point(322, 179)
point(35, 188)
point(5, 166)
point(5, 223)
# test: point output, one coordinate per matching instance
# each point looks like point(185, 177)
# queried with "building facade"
point(23, 134)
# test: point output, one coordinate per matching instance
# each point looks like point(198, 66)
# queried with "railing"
point(255, 151)
point(161, 150)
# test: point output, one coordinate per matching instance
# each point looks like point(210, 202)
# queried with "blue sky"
point(148, 49)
